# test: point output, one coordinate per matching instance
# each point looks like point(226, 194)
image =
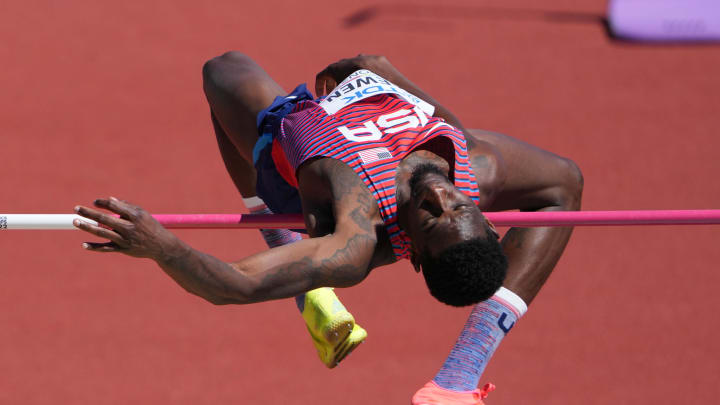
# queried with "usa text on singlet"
point(371, 125)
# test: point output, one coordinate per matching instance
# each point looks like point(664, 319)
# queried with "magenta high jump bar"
point(294, 221)
point(523, 219)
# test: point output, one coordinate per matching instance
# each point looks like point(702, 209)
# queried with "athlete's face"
point(440, 215)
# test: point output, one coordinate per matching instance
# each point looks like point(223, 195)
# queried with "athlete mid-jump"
point(381, 172)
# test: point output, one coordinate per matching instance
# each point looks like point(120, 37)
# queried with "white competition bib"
point(362, 84)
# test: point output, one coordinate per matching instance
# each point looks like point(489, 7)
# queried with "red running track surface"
point(104, 98)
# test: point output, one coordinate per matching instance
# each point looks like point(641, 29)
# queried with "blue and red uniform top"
point(370, 125)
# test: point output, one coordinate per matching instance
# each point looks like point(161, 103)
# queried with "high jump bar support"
point(295, 221)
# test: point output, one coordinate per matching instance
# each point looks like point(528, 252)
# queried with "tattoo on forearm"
point(339, 269)
point(355, 213)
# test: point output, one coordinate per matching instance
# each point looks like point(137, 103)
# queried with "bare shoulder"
point(487, 162)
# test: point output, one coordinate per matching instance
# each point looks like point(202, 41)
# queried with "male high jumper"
point(380, 172)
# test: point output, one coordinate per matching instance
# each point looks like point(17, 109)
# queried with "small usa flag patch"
point(374, 154)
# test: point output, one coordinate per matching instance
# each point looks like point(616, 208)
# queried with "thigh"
point(237, 89)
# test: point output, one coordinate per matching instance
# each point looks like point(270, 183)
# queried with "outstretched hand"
point(135, 232)
point(328, 78)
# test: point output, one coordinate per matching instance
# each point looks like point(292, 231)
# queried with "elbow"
point(571, 186)
point(355, 274)
point(210, 297)
point(564, 193)
point(224, 298)
point(353, 277)
point(218, 300)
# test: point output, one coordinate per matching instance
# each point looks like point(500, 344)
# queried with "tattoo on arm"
point(343, 256)
point(340, 269)
point(363, 207)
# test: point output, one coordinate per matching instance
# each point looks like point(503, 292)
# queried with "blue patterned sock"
point(488, 323)
point(274, 237)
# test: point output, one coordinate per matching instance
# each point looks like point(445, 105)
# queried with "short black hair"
point(467, 272)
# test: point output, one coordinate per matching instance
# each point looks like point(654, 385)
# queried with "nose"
point(439, 200)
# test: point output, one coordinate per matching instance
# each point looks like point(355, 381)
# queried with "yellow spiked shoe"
point(332, 328)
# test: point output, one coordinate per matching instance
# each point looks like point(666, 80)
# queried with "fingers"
point(319, 85)
point(106, 247)
point(122, 208)
point(109, 226)
point(102, 218)
point(101, 232)
point(133, 233)
point(328, 78)
point(324, 83)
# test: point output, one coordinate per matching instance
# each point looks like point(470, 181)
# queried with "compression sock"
point(489, 322)
point(274, 237)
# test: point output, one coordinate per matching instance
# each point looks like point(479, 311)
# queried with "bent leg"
point(237, 89)
point(241, 171)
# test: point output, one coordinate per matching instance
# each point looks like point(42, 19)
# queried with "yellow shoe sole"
point(331, 356)
point(356, 337)
point(332, 328)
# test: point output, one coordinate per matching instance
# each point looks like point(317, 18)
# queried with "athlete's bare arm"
point(532, 179)
point(331, 191)
point(340, 256)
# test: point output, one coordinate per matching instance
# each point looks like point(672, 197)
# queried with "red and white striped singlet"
point(371, 125)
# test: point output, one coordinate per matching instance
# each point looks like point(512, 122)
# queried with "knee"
point(215, 69)
point(221, 62)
